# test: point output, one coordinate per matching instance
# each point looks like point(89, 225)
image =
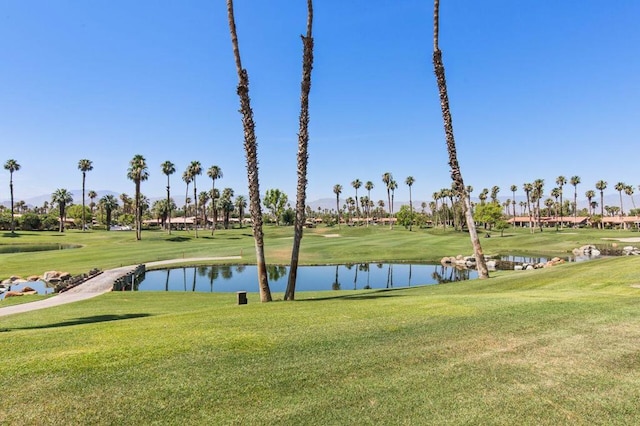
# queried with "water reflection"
point(358, 276)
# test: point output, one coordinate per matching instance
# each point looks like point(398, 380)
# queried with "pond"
point(226, 278)
point(39, 286)
point(24, 248)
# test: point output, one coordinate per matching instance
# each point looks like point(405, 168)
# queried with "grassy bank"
point(553, 346)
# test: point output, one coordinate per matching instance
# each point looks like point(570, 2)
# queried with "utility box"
point(242, 297)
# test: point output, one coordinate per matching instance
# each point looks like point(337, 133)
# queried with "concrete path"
point(96, 286)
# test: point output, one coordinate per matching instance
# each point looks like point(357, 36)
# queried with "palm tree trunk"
point(456, 175)
point(250, 146)
point(13, 223)
point(169, 204)
point(137, 212)
point(195, 206)
point(83, 186)
point(303, 156)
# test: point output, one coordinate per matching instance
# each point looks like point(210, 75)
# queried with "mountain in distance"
point(76, 194)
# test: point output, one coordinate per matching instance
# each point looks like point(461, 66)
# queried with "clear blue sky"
point(538, 88)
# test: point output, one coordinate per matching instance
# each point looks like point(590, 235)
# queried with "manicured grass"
point(553, 346)
point(107, 250)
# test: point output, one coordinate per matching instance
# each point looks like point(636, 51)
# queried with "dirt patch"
point(635, 285)
point(331, 235)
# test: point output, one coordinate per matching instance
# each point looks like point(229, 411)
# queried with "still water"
point(225, 278)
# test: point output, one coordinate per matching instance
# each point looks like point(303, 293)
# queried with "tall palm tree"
point(109, 203)
point(601, 185)
point(138, 172)
point(590, 194)
point(84, 166)
point(168, 168)
point(409, 181)
point(12, 166)
point(62, 198)
point(303, 156)
point(387, 177)
point(92, 196)
point(337, 189)
point(514, 188)
point(528, 188)
point(186, 177)
point(620, 186)
point(575, 181)
point(456, 174)
point(251, 149)
point(214, 173)
point(195, 169)
point(393, 185)
point(561, 181)
point(555, 193)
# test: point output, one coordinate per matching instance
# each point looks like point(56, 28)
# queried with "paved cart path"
point(97, 285)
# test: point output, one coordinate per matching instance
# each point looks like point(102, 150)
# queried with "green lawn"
point(553, 346)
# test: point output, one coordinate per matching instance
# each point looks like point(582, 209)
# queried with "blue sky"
point(538, 88)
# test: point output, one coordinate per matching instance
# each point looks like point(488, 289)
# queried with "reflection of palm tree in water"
point(225, 272)
point(365, 268)
point(184, 277)
point(212, 273)
point(410, 275)
point(336, 282)
point(390, 276)
point(166, 282)
point(275, 272)
point(193, 285)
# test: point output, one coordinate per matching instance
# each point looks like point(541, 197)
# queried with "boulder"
point(12, 294)
point(33, 278)
point(28, 289)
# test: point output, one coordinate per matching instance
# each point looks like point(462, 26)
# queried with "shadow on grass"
point(80, 321)
point(10, 235)
point(179, 239)
point(375, 294)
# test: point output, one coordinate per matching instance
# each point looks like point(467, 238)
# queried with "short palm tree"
point(168, 168)
point(92, 196)
point(12, 166)
point(138, 172)
point(368, 186)
point(241, 205)
point(62, 198)
point(214, 173)
point(109, 204)
point(514, 188)
point(84, 166)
